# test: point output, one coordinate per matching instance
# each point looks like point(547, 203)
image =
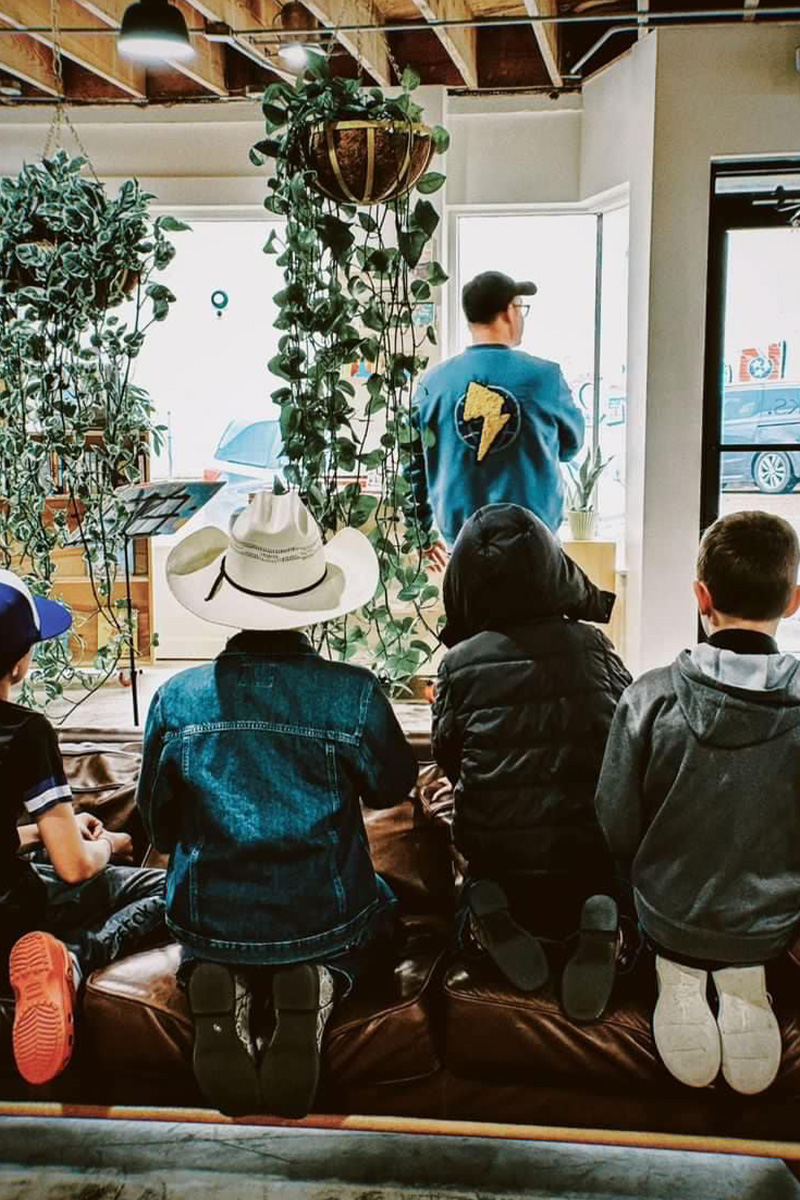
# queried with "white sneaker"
point(751, 1039)
point(686, 1034)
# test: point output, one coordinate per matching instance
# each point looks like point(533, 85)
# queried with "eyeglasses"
point(523, 308)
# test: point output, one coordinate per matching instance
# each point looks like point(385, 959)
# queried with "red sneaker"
point(40, 969)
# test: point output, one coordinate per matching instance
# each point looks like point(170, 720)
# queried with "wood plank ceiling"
point(229, 62)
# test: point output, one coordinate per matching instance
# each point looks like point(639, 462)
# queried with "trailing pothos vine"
point(73, 426)
point(353, 279)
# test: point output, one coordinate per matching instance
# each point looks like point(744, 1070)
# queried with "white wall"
point(520, 150)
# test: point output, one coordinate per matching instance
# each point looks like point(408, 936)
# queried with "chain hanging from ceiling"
point(61, 116)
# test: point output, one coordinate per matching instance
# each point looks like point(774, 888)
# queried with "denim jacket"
point(252, 772)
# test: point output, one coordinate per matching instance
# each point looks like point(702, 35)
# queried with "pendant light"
point(293, 52)
point(154, 31)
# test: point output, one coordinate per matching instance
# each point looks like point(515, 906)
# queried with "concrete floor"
point(67, 1159)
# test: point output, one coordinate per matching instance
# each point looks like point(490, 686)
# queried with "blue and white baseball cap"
point(26, 619)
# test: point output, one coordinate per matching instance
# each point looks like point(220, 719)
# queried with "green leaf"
point(440, 138)
point(367, 222)
point(437, 274)
point(271, 246)
point(425, 217)
point(420, 290)
point(274, 114)
point(173, 225)
point(411, 243)
point(269, 147)
point(337, 236)
point(410, 80)
point(431, 182)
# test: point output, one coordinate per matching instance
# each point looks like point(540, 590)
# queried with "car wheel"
point(772, 472)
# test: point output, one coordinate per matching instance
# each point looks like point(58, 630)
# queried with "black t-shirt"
point(32, 780)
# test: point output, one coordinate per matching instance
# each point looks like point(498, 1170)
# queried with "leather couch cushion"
point(496, 1034)
point(136, 1021)
point(409, 848)
point(412, 852)
point(103, 770)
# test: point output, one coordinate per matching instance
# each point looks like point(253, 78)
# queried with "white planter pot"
point(582, 524)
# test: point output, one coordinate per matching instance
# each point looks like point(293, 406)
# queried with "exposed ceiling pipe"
point(575, 70)
point(631, 21)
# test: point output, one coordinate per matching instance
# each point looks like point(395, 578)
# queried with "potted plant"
point(360, 146)
point(355, 313)
point(581, 483)
point(73, 426)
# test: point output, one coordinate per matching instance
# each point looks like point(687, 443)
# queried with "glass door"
point(751, 438)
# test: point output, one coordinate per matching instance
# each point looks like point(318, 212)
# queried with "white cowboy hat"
point(273, 570)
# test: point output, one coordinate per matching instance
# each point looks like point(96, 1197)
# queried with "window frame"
point(729, 211)
point(597, 206)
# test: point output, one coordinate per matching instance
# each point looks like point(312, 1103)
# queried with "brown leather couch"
point(427, 1033)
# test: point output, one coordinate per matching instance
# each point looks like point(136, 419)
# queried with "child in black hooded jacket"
point(524, 703)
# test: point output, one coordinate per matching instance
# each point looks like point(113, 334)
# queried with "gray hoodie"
point(699, 797)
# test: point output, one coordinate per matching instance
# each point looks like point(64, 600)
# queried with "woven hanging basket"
point(368, 162)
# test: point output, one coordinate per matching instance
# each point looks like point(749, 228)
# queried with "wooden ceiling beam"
point(370, 48)
point(29, 60)
point(547, 36)
point(206, 68)
point(258, 14)
point(95, 54)
point(461, 44)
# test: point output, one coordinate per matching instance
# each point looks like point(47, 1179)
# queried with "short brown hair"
point(748, 561)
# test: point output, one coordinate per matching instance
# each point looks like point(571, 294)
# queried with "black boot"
point(224, 1052)
point(588, 977)
point(511, 948)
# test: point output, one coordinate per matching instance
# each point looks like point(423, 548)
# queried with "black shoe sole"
point(290, 1065)
point(225, 1072)
point(588, 978)
point(511, 948)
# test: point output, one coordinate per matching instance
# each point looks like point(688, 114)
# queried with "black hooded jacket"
point(524, 702)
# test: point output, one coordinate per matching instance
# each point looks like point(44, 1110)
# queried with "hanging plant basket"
point(368, 162)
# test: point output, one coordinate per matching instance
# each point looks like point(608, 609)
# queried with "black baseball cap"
point(490, 293)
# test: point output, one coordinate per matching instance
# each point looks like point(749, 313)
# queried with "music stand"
point(162, 506)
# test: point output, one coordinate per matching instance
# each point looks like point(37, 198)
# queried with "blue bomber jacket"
point(494, 425)
point(252, 773)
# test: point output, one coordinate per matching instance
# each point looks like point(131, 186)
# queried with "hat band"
point(217, 584)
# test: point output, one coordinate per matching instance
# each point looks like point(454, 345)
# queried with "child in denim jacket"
point(253, 772)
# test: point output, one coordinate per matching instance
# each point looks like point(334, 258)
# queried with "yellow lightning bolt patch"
point(483, 402)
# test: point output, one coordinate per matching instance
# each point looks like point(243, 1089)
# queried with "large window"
point(751, 441)
point(206, 370)
point(206, 365)
point(579, 262)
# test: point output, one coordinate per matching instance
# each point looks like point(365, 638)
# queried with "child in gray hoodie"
point(699, 799)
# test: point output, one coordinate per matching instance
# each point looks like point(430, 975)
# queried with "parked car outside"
point(765, 413)
point(248, 457)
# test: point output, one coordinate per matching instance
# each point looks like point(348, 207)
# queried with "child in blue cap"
point(64, 919)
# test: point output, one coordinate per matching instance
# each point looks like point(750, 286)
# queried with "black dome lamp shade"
point(152, 31)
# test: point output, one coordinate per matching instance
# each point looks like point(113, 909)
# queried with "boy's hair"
point(9, 660)
point(748, 561)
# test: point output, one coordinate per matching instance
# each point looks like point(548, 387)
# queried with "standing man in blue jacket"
point(501, 420)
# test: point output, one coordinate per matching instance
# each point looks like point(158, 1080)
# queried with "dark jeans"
point(346, 966)
point(106, 917)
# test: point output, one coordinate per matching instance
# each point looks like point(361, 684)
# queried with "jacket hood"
point(721, 706)
point(507, 568)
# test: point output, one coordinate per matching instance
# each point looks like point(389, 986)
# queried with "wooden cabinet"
point(92, 622)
